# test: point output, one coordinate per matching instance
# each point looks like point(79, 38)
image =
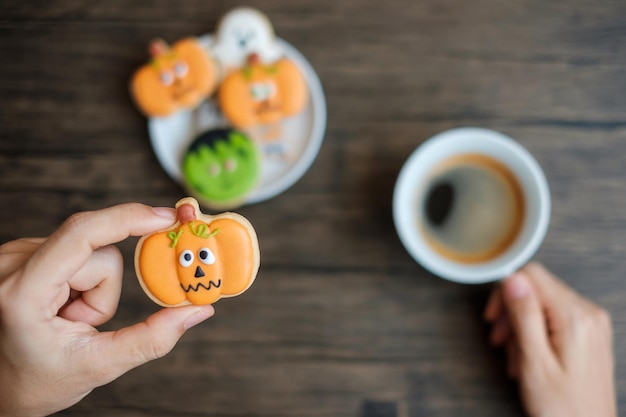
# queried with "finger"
point(563, 307)
point(35, 240)
point(132, 346)
point(23, 245)
point(11, 262)
point(512, 359)
point(99, 283)
point(66, 251)
point(14, 254)
point(554, 294)
point(495, 307)
point(527, 320)
point(500, 332)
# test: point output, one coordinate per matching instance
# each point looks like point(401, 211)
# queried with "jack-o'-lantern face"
point(261, 94)
point(199, 276)
point(198, 262)
point(176, 78)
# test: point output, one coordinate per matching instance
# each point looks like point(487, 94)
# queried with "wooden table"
point(341, 321)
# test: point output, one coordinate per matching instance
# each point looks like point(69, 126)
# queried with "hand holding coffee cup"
point(471, 205)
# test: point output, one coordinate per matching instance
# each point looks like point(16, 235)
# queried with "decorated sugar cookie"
point(176, 78)
point(221, 167)
point(241, 32)
point(263, 94)
point(198, 260)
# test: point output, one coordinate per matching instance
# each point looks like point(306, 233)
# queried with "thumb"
point(526, 317)
point(127, 348)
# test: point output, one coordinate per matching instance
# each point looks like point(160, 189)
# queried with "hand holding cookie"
point(55, 290)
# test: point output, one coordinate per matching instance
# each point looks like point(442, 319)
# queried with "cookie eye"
point(270, 90)
point(166, 77)
point(214, 170)
point(181, 69)
point(186, 258)
point(256, 92)
point(230, 165)
point(206, 256)
point(262, 91)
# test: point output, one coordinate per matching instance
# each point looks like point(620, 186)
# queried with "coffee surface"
point(473, 208)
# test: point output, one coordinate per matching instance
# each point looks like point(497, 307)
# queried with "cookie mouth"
point(196, 288)
point(267, 107)
point(224, 191)
point(181, 92)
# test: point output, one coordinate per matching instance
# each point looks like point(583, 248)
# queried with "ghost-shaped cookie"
point(241, 32)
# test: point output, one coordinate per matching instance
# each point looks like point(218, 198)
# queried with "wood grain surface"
point(341, 321)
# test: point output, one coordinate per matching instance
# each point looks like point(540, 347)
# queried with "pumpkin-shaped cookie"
point(198, 260)
point(260, 94)
point(176, 78)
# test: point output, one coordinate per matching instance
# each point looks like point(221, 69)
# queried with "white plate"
point(170, 136)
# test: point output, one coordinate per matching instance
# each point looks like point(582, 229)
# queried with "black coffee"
point(473, 208)
point(439, 202)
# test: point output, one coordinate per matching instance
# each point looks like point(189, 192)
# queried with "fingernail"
point(168, 213)
point(199, 316)
point(517, 286)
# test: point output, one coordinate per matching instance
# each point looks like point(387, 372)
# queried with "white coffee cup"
point(409, 195)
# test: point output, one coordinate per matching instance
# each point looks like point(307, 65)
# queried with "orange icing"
point(259, 94)
point(235, 251)
point(177, 77)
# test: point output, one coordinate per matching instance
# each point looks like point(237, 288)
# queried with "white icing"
point(181, 69)
point(244, 31)
point(206, 256)
point(262, 91)
point(186, 258)
point(167, 78)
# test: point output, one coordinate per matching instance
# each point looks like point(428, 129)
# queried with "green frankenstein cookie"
point(221, 167)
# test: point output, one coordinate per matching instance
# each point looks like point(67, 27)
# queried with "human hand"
point(559, 345)
point(54, 291)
